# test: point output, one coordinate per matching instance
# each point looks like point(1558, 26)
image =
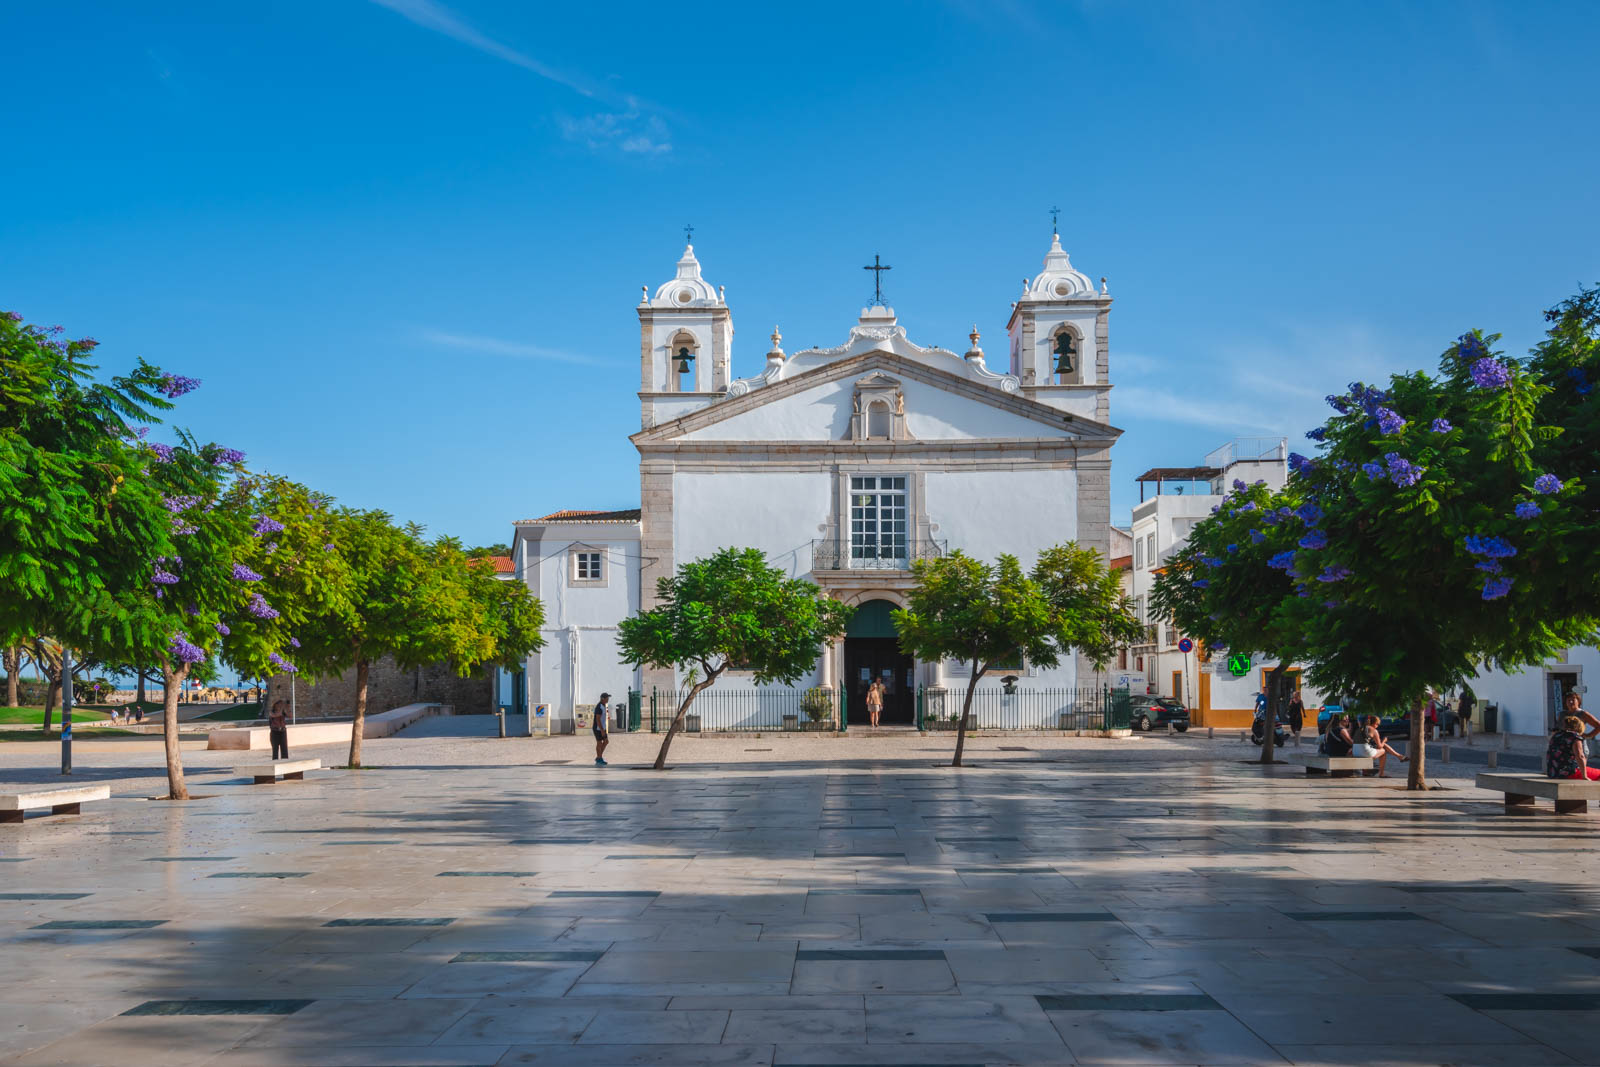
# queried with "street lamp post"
point(66, 710)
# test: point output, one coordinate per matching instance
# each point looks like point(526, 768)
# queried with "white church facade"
point(842, 465)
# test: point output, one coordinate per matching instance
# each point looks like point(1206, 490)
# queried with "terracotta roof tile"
point(574, 515)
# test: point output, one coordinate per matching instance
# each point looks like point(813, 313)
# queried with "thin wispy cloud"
point(494, 346)
point(628, 131)
point(440, 19)
point(631, 128)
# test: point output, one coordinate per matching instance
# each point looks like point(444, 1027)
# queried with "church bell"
point(684, 356)
point(1065, 350)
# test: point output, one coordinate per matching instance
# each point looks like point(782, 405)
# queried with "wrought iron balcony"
point(837, 554)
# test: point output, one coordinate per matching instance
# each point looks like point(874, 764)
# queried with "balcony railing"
point(833, 554)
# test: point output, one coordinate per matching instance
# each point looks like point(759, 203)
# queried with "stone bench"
point(67, 801)
point(1334, 766)
point(1572, 795)
point(265, 773)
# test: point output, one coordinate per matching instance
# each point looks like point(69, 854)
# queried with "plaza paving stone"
point(841, 901)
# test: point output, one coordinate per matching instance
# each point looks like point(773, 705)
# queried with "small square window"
point(587, 566)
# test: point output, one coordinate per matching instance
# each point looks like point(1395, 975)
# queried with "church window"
point(878, 523)
point(588, 566)
point(878, 420)
point(1138, 553)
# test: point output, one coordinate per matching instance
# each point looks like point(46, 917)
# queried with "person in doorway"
point(875, 700)
point(602, 729)
point(278, 729)
point(1565, 758)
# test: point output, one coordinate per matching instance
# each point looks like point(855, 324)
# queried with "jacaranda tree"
point(981, 614)
point(731, 610)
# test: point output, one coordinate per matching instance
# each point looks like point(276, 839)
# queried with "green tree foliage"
point(731, 610)
point(962, 608)
point(1434, 534)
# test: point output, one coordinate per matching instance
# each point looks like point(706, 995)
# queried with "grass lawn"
point(35, 715)
point(237, 713)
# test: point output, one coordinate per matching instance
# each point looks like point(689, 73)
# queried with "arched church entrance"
point(872, 651)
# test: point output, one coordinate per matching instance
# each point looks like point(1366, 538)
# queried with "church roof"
point(573, 515)
point(502, 564)
point(688, 289)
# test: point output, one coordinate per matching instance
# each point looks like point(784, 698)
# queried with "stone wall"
point(387, 687)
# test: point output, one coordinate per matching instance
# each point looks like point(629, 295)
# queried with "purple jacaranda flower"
point(1441, 426)
point(266, 524)
point(329, 547)
point(1233, 548)
point(1238, 483)
point(1390, 422)
point(1402, 471)
point(1256, 537)
point(163, 452)
point(1314, 540)
point(1529, 510)
point(294, 642)
point(226, 456)
point(185, 651)
point(1282, 561)
point(1211, 561)
point(175, 385)
point(259, 607)
point(1310, 513)
point(282, 664)
point(1335, 573)
point(164, 577)
point(177, 504)
point(222, 628)
point(1492, 547)
point(1200, 583)
point(1495, 588)
point(1489, 566)
point(1547, 483)
point(192, 610)
point(14, 316)
point(182, 528)
point(1374, 471)
point(1490, 373)
point(241, 573)
point(1248, 505)
point(1320, 433)
point(1338, 403)
point(1330, 603)
point(1580, 380)
point(1471, 346)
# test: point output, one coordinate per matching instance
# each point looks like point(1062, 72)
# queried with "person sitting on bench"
point(1565, 757)
point(1373, 744)
point(1336, 742)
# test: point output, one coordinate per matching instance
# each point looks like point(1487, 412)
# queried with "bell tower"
point(1059, 338)
point(685, 343)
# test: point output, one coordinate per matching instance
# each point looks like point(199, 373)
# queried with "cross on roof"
point(1055, 217)
point(688, 234)
point(877, 279)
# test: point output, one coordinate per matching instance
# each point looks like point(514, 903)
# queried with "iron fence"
point(836, 554)
point(776, 708)
point(993, 708)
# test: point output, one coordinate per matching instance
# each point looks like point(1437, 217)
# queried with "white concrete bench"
point(67, 801)
point(1334, 766)
point(1572, 795)
point(270, 772)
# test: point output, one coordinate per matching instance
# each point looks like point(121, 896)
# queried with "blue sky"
point(401, 241)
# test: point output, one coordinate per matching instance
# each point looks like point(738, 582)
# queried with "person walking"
point(602, 729)
point(1464, 708)
point(875, 700)
point(278, 729)
point(1297, 714)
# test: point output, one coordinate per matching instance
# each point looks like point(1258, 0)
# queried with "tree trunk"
point(13, 657)
point(139, 698)
point(966, 709)
point(172, 680)
point(50, 694)
point(1269, 728)
point(677, 720)
point(1416, 777)
point(360, 722)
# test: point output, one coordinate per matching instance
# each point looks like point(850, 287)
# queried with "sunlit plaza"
point(793, 900)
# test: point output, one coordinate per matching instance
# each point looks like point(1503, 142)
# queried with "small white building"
point(1180, 498)
point(842, 465)
point(1528, 701)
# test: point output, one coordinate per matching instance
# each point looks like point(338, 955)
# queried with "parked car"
point(1388, 727)
point(1154, 713)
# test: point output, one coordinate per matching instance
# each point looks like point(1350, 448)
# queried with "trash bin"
point(1491, 718)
